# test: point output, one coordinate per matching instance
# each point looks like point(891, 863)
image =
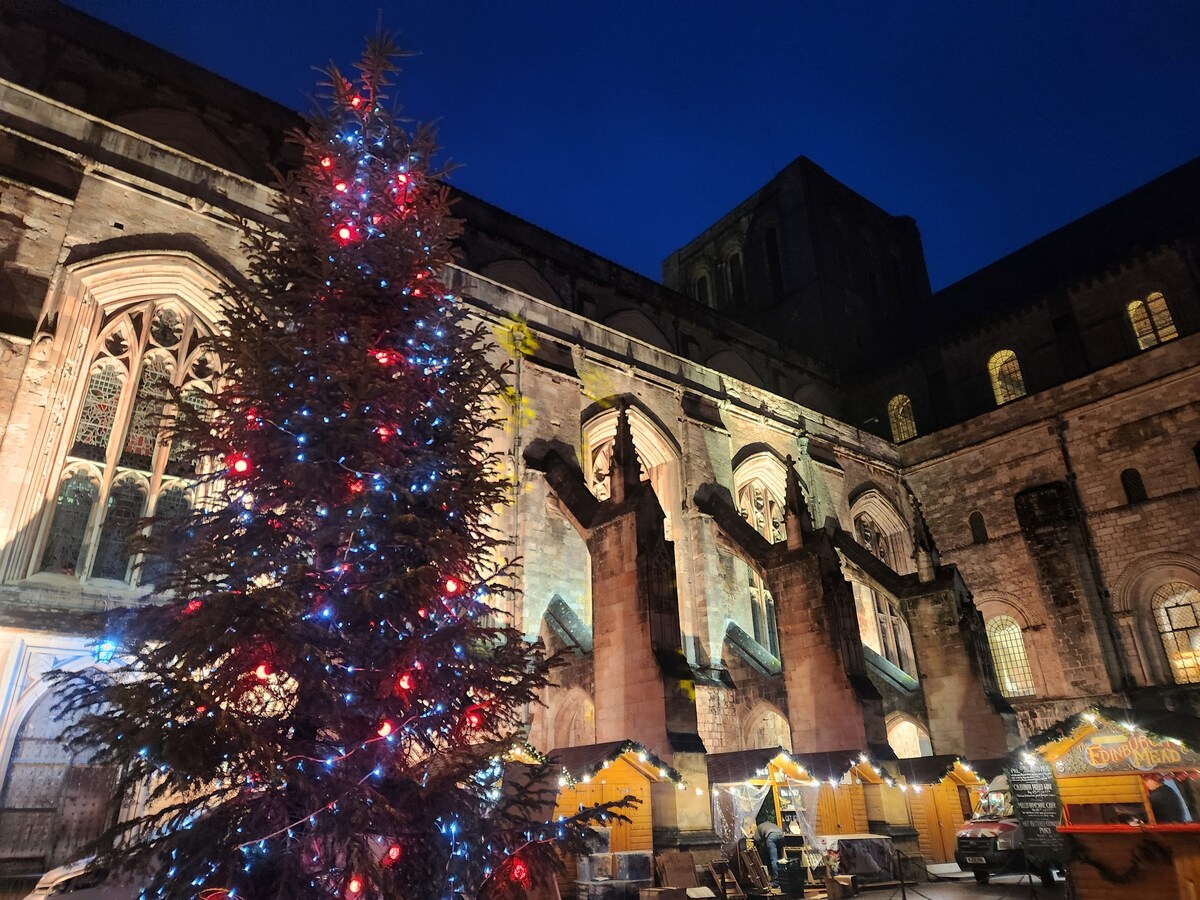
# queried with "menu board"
point(1039, 810)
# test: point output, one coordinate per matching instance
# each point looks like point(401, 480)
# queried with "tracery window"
point(900, 415)
point(120, 466)
point(701, 290)
point(1176, 607)
point(895, 642)
point(765, 513)
point(1151, 321)
point(871, 536)
point(1008, 654)
point(1007, 381)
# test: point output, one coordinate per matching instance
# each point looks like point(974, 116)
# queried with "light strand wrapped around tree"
point(323, 693)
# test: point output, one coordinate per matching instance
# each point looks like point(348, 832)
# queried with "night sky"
point(629, 127)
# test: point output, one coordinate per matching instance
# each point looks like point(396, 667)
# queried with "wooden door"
point(51, 804)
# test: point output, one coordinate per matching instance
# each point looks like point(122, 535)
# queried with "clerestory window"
point(119, 465)
point(1007, 381)
point(1151, 321)
point(1008, 653)
point(900, 416)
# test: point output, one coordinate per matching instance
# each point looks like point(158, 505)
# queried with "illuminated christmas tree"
point(321, 696)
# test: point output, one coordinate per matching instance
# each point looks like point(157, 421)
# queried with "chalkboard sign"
point(1039, 809)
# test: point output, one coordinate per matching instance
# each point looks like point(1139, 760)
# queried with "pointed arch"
point(657, 449)
point(765, 727)
point(128, 321)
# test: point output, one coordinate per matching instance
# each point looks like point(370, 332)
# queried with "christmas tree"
point(323, 695)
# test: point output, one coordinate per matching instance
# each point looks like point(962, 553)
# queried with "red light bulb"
point(405, 682)
point(356, 101)
point(263, 672)
point(239, 464)
point(192, 606)
point(355, 885)
point(474, 717)
point(393, 852)
point(340, 186)
point(385, 728)
point(520, 871)
point(345, 233)
point(326, 162)
point(453, 585)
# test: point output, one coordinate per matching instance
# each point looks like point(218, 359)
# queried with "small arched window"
point(1151, 321)
point(1134, 487)
point(979, 534)
point(900, 415)
point(1176, 607)
point(701, 289)
point(1005, 373)
point(1008, 653)
point(735, 279)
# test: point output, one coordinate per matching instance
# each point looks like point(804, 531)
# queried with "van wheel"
point(981, 876)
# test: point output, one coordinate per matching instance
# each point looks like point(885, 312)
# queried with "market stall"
point(1114, 795)
point(941, 792)
point(818, 800)
point(601, 773)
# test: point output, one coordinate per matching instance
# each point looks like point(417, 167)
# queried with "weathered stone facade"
point(725, 560)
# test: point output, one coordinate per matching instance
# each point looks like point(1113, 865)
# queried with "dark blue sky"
point(629, 127)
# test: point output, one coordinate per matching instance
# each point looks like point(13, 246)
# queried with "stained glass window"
point(1008, 653)
point(99, 413)
point(126, 504)
point(1176, 608)
point(900, 416)
point(1151, 321)
point(181, 459)
point(120, 428)
point(147, 418)
point(76, 497)
point(173, 506)
point(1007, 381)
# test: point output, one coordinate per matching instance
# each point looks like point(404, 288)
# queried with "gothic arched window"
point(119, 466)
point(1007, 381)
point(765, 513)
point(1176, 607)
point(1008, 653)
point(1151, 321)
point(900, 415)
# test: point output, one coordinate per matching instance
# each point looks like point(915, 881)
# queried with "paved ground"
point(1008, 887)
